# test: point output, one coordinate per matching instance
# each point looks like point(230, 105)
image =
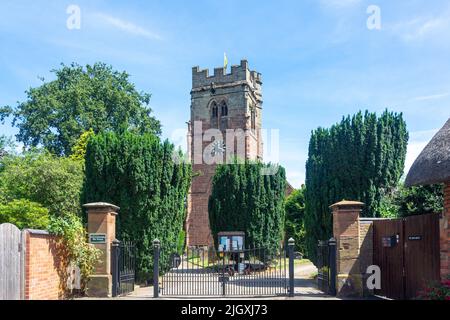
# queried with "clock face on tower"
point(218, 147)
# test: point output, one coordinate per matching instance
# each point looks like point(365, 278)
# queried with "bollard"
point(156, 249)
point(291, 244)
point(115, 252)
point(332, 263)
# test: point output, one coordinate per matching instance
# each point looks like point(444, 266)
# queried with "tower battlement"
point(201, 78)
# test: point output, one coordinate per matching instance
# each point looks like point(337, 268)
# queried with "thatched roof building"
point(433, 164)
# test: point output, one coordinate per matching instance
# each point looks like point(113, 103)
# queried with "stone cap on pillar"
point(347, 205)
point(102, 207)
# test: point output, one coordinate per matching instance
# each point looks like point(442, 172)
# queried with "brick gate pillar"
point(349, 280)
point(445, 235)
point(102, 232)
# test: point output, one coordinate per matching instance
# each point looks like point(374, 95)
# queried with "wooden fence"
point(11, 262)
point(407, 252)
point(30, 266)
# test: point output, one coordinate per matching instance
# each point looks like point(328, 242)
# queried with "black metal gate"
point(326, 266)
point(204, 271)
point(123, 262)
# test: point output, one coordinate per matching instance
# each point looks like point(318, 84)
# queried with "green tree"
point(420, 200)
point(295, 215)
point(56, 113)
point(361, 158)
point(403, 201)
point(24, 214)
point(41, 177)
point(244, 199)
point(138, 174)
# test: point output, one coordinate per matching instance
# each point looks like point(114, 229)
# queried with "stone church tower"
point(220, 104)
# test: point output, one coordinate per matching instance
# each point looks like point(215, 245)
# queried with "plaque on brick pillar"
point(101, 231)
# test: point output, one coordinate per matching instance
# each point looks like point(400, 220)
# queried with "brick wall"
point(365, 250)
point(445, 235)
point(44, 267)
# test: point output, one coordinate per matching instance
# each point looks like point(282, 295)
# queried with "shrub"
point(41, 177)
point(243, 199)
point(24, 214)
point(361, 158)
point(295, 215)
point(138, 174)
point(436, 292)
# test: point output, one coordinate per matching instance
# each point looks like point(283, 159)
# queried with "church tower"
point(225, 121)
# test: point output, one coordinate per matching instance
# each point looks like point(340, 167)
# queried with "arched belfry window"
point(214, 111)
point(223, 109)
point(214, 114)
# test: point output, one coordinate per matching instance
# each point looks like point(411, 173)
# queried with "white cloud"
point(421, 28)
point(127, 26)
point(339, 3)
point(432, 97)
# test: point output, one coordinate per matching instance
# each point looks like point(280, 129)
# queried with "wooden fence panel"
point(422, 260)
point(11, 268)
point(412, 259)
point(389, 256)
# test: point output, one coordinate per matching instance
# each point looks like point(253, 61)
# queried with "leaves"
point(295, 215)
point(72, 237)
point(361, 158)
point(24, 214)
point(243, 199)
point(38, 176)
point(138, 174)
point(56, 113)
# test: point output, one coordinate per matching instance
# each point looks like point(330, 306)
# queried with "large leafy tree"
point(140, 175)
point(244, 199)
point(93, 97)
point(295, 216)
point(361, 158)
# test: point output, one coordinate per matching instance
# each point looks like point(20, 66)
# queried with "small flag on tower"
point(225, 60)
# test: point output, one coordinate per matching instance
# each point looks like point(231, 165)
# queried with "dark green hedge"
point(361, 158)
point(243, 199)
point(138, 174)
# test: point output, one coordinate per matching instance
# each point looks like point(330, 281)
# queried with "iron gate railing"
point(326, 266)
point(203, 271)
point(123, 262)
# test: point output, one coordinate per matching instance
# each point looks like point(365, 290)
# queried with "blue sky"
point(318, 59)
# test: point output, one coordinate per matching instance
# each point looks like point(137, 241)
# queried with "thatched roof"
point(433, 164)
